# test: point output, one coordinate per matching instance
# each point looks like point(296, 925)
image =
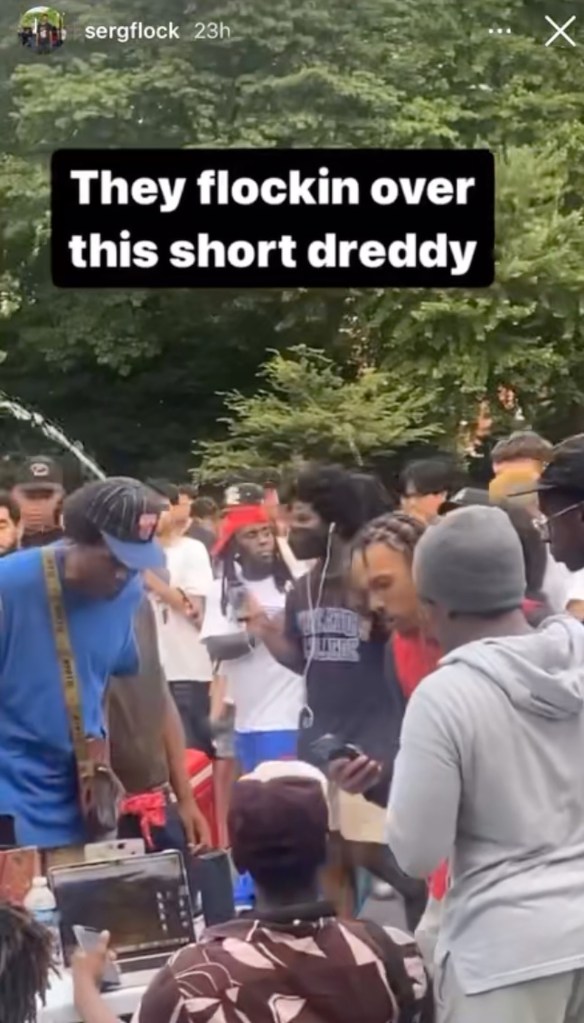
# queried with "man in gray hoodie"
point(490, 775)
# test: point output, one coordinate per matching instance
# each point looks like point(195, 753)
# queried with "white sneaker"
point(382, 890)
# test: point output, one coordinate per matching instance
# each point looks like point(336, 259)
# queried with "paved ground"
point(386, 912)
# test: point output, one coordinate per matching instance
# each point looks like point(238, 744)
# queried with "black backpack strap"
point(405, 971)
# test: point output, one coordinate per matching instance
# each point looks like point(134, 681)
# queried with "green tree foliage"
point(308, 409)
point(137, 375)
point(524, 333)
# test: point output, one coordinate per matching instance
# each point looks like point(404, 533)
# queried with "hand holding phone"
point(237, 596)
point(355, 776)
point(96, 963)
point(330, 747)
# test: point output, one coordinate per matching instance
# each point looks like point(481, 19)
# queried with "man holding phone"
point(92, 944)
point(267, 696)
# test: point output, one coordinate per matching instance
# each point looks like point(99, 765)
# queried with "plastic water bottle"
point(40, 903)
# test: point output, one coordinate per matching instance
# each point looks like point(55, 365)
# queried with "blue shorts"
point(253, 748)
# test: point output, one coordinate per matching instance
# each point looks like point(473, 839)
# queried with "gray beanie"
point(471, 562)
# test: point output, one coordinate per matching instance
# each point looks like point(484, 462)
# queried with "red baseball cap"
point(237, 518)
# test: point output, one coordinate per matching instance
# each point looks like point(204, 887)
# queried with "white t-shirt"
point(184, 657)
point(267, 696)
point(575, 586)
point(556, 584)
point(562, 586)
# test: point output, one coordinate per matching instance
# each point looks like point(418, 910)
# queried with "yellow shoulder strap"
point(66, 658)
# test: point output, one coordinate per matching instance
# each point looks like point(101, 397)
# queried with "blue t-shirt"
point(37, 767)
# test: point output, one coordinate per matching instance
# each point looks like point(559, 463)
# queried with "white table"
point(123, 1001)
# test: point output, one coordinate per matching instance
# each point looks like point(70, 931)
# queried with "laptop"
point(143, 901)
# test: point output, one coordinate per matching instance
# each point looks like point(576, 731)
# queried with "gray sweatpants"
point(557, 999)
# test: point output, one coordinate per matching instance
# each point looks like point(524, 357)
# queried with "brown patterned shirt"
point(318, 970)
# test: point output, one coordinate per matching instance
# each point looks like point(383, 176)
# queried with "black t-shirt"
point(349, 690)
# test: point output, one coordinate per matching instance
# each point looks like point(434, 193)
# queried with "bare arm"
point(271, 632)
point(196, 827)
point(168, 594)
point(218, 696)
point(88, 969)
point(175, 746)
point(90, 1004)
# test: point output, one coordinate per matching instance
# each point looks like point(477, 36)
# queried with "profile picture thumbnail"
point(42, 29)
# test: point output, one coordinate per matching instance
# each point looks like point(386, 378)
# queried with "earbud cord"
point(307, 715)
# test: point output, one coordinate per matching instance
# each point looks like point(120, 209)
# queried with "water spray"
point(51, 432)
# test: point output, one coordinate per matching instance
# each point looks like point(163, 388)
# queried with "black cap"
point(244, 493)
point(39, 472)
point(565, 470)
point(464, 499)
point(126, 514)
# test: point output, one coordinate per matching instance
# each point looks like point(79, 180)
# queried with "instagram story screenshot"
point(291, 402)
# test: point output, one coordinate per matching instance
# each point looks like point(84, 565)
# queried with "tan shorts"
point(356, 818)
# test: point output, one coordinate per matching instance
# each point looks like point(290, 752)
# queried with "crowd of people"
point(390, 692)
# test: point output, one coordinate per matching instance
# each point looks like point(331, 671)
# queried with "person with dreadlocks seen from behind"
point(26, 962)
point(339, 651)
point(266, 695)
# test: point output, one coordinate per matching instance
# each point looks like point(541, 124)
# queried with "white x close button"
point(560, 32)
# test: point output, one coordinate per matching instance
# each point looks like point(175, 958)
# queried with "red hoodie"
point(414, 658)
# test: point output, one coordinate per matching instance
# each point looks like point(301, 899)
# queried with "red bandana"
point(237, 518)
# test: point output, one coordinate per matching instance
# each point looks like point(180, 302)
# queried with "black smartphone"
point(330, 747)
point(237, 597)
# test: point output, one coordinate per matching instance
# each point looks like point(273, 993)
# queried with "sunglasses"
point(543, 522)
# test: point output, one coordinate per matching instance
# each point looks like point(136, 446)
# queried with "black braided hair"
point(399, 531)
point(26, 961)
point(280, 572)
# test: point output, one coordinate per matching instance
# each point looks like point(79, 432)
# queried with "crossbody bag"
point(100, 792)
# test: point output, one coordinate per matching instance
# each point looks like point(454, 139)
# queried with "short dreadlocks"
point(26, 961)
point(399, 531)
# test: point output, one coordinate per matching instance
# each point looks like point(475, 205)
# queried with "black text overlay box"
point(272, 218)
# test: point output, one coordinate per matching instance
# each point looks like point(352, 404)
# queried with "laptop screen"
point(143, 901)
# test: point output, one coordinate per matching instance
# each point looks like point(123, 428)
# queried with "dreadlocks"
point(399, 531)
point(26, 960)
point(280, 572)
